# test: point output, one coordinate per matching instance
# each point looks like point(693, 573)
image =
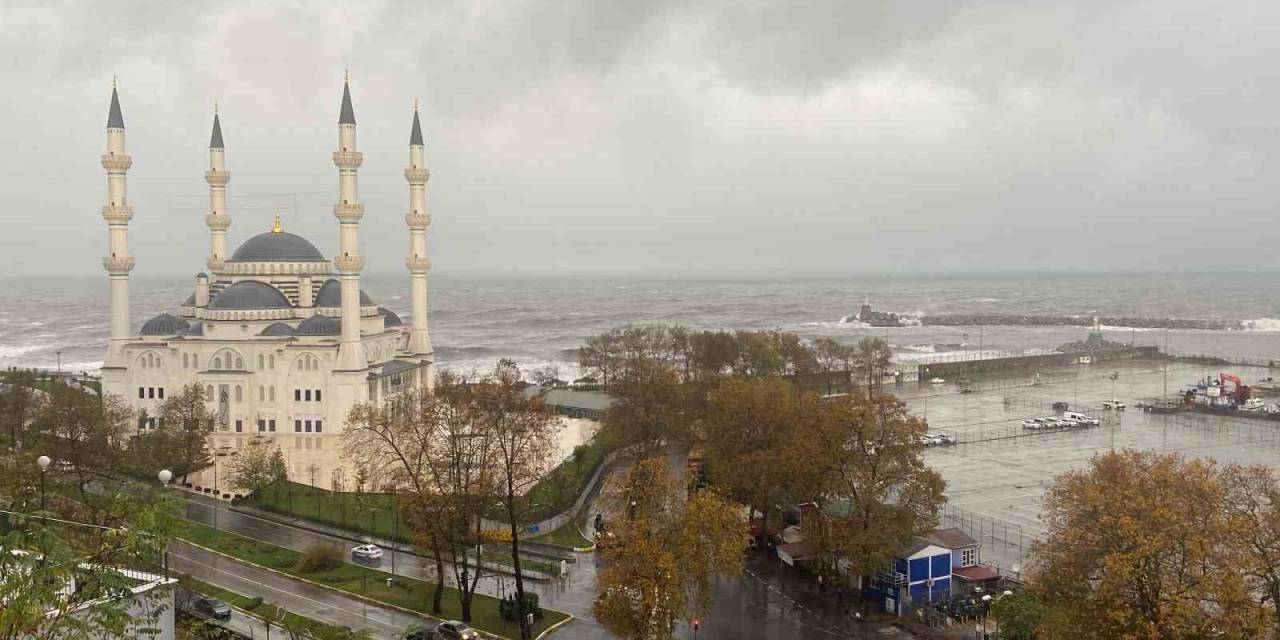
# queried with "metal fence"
point(1243, 430)
point(993, 534)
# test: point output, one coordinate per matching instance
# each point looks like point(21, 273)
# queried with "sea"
point(539, 321)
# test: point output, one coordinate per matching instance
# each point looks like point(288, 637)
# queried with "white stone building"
point(282, 339)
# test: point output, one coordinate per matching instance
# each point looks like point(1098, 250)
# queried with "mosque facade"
point(280, 337)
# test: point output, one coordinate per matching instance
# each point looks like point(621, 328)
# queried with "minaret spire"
point(117, 213)
point(348, 211)
point(418, 219)
point(218, 220)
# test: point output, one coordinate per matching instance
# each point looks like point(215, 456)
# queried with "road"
point(758, 606)
point(294, 595)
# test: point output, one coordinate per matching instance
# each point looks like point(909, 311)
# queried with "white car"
point(366, 553)
point(937, 380)
point(1113, 404)
point(1053, 423)
point(1032, 424)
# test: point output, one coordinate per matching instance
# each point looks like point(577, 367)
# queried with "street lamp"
point(986, 608)
point(43, 463)
point(165, 476)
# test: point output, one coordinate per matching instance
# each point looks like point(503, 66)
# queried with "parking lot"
point(995, 484)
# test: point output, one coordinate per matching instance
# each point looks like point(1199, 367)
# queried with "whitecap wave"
point(1261, 324)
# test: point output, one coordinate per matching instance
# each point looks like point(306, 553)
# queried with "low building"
point(927, 570)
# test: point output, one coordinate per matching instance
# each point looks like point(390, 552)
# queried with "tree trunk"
point(525, 632)
point(437, 598)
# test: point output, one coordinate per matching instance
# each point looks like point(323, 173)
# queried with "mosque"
point(281, 338)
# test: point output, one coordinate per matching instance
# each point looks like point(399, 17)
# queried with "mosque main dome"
point(277, 246)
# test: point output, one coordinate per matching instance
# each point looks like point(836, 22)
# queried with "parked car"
point(1060, 406)
point(211, 608)
point(1053, 423)
point(455, 630)
point(1113, 404)
point(366, 553)
point(1033, 425)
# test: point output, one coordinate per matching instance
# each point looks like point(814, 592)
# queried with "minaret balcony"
point(417, 264)
point(215, 264)
point(348, 264)
point(417, 175)
point(217, 178)
point(348, 159)
point(116, 163)
point(417, 220)
point(218, 221)
point(348, 212)
point(118, 265)
point(117, 214)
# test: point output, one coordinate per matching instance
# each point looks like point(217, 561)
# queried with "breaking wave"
point(1261, 324)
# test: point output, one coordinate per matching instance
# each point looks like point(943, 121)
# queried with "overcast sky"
point(661, 137)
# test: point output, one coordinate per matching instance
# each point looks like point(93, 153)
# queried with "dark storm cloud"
point(584, 136)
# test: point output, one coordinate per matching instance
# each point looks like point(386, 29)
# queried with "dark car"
point(455, 630)
point(212, 608)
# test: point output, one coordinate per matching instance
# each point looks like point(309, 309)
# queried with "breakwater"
point(1013, 319)
point(1015, 364)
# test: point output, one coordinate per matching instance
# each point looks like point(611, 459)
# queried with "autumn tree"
point(864, 457)
point(1137, 546)
point(748, 431)
point(667, 553)
point(1253, 509)
point(650, 408)
point(257, 466)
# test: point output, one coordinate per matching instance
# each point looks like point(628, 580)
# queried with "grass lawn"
point(256, 606)
point(411, 594)
point(566, 536)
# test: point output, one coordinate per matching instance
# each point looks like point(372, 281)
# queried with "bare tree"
point(523, 431)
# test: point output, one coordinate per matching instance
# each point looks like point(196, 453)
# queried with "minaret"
point(217, 177)
point(117, 213)
point(348, 211)
point(417, 174)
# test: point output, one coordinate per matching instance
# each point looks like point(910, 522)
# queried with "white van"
point(1081, 418)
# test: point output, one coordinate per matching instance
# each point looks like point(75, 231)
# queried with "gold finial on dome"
point(277, 228)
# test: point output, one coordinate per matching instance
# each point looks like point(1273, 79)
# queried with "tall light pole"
point(165, 476)
point(59, 352)
point(43, 463)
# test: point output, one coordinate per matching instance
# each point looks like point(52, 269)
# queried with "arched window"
point(261, 360)
point(239, 363)
point(271, 393)
point(239, 394)
point(262, 393)
point(195, 361)
point(271, 362)
point(217, 362)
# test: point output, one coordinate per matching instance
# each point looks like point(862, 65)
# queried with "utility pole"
point(1166, 365)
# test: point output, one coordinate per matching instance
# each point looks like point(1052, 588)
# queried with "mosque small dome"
point(320, 326)
point(277, 246)
point(250, 294)
point(390, 319)
point(330, 295)
point(277, 329)
point(164, 325)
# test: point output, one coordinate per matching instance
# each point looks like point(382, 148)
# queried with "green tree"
point(257, 466)
point(1018, 615)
